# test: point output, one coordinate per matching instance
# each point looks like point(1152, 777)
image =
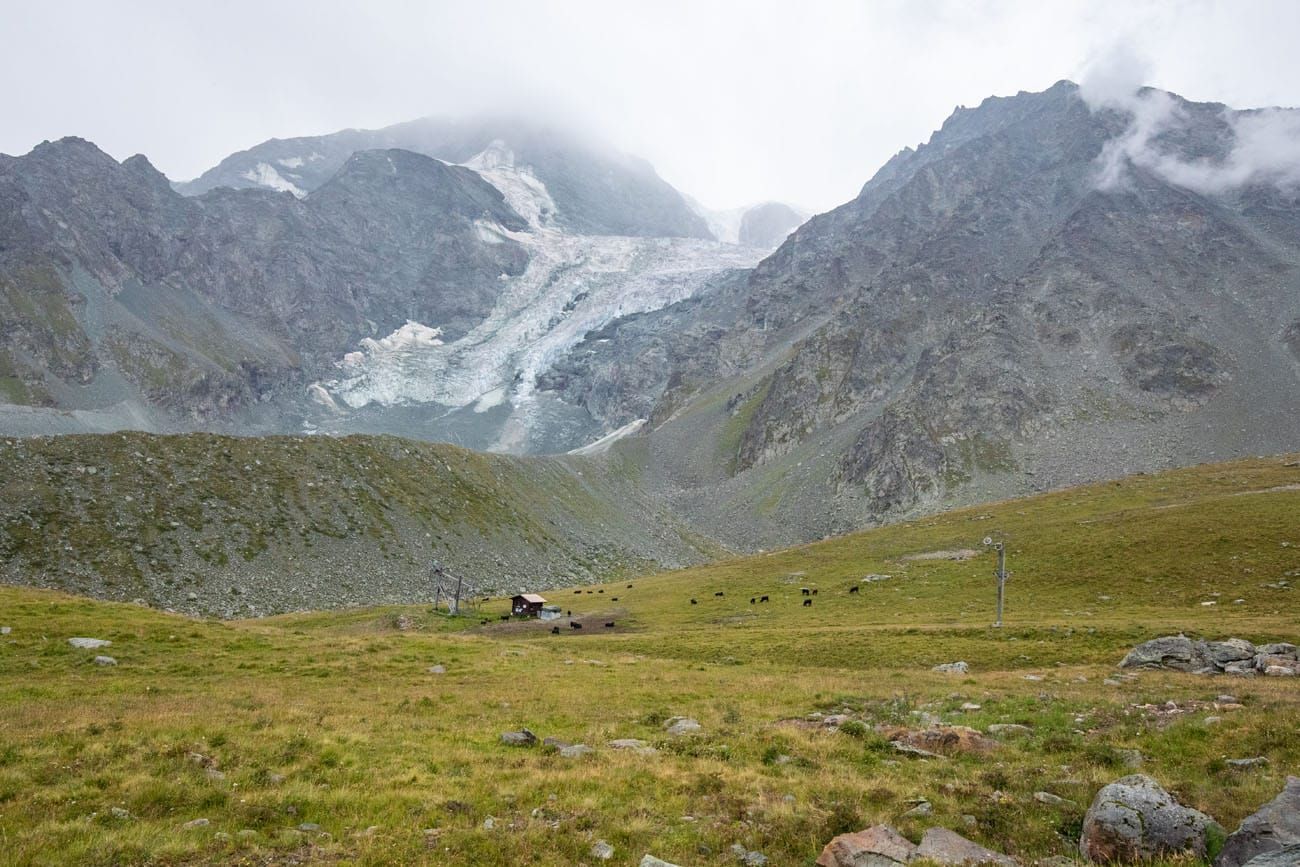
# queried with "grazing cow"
point(854, 589)
point(814, 591)
point(600, 591)
point(629, 587)
point(805, 591)
point(505, 616)
point(555, 630)
point(568, 614)
point(575, 625)
point(613, 599)
point(762, 599)
point(719, 593)
point(577, 592)
point(752, 600)
point(482, 622)
point(609, 625)
point(807, 602)
point(694, 602)
point(588, 592)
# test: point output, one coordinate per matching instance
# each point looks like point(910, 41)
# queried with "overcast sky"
point(734, 102)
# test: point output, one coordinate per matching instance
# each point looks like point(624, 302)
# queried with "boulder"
point(1220, 653)
point(89, 643)
point(945, 740)
point(521, 738)
point(602, 850)
point(1135, 819)
point(652, 861)
point(680, 725)
point(1280, 648)
point(1274, 826)
point(1171, 651)
point(1287, 856)
point(950, 848)
point(1244, 668)
point(104, 660)
point(576, 751)
point(877, 846)
point(952, 668)
point(1275, 665)
point(1009, 729)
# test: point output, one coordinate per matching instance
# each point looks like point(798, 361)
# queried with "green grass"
point(332, 718)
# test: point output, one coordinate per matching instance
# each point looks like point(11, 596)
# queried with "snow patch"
point(602, 445)
point(291, 162)
point(265, 175)
point(495, 397)
point(521, 188)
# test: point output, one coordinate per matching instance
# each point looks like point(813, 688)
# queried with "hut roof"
point(531, 597)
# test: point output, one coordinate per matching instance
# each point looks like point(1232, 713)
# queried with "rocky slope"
point(1026, 300)
point(248, 526)
point(596, 190)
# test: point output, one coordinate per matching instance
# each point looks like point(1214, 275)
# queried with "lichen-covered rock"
point(877, 846)
point(1287, 856)
point(1274, 826)
point(944, 740)
point(1170, 651)
point(1220, 653)
point(1135, 819)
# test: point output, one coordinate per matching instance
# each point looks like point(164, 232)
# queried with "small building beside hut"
point(527, 605)
point(551, 612)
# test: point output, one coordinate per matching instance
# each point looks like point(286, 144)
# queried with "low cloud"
point(1265, 147)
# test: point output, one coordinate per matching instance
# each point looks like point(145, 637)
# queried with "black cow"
point(609, 625)
point(719, 593)
point(694, 602)
point(762, 599)
point(613, 599)
point(600, 591)
point(575, 625)
point(752, 600)
point(805, 591)
point(854, 589)
point(629, 587)
point(577, 592)
point(505, 616)
point(807, 602)
point(555, 630)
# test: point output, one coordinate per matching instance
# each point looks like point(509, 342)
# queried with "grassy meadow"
point(324, 737)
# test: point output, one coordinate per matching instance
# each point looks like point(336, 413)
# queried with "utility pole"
point(455, 608)
point(1001, 573)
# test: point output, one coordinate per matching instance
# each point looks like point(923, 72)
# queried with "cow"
point(752, 600)
point(600, 591)
point(577, 592)
point(555, 630)
point(694, 602)
point(573, 625)
point(805, 591)
point(814, 591)
point(609, 625)
point(505, 616)
point(613, 599)
point(629, 587)
point(762, 599)
point(807, 603)
point(719, 593)
point(483, 622)
point(854, 589)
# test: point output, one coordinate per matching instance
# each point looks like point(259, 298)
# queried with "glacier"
point(573, 284)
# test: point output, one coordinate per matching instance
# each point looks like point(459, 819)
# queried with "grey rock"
point(521, 738)
point(914, 751)
point(195, 823)
point(877, 846)
point(1009, 729)
point(1277, 649)
point(1171, 651)
point(952, 668)
point(489, 823)
point(652, 861)
point(89, 643)
point(1245, 764)
point(1052, 800)
point(1220, 653)
point(308, 827)
point(630, 744)
point(1274, 826)
point(602, 850)
point(576, 751)
point(949, 848)
point(1287, 856)
point(120, 813)
point(682, 726)
point(104, 660)
point(437, 669)
point(5, 630)
point(922, 809)
point(1134, 818)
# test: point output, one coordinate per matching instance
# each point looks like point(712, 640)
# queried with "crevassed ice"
point(573, 284)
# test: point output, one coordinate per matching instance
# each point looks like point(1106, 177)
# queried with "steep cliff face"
point(115, 289)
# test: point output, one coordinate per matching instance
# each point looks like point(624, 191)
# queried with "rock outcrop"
point(877, 846)
point(1135, 819)
point(1233, 656)
point(1271, 829)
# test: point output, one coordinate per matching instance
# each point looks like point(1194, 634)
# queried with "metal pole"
point(456, 608)
point(1002, 579)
